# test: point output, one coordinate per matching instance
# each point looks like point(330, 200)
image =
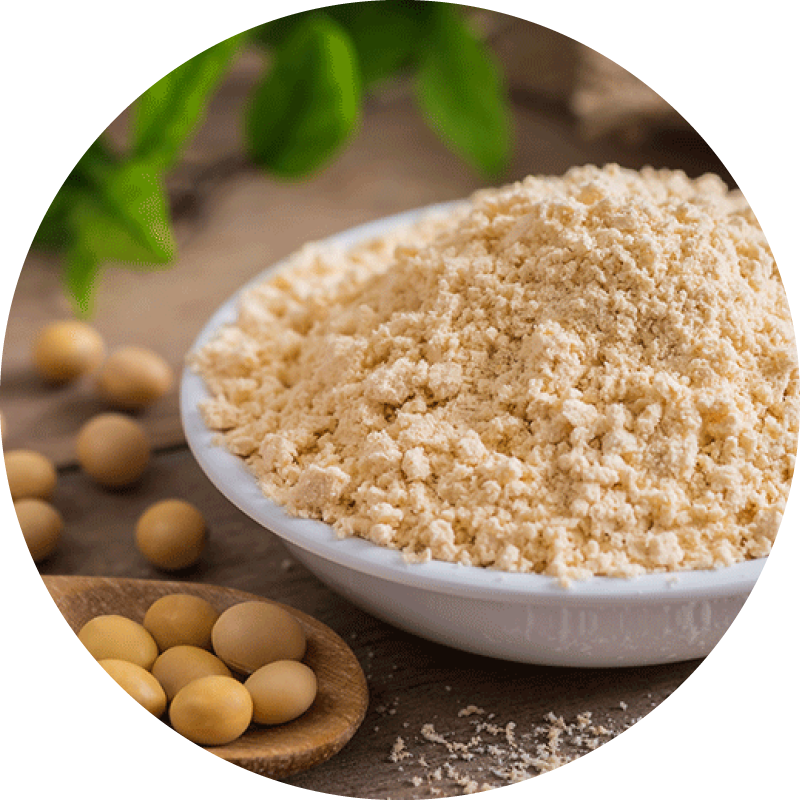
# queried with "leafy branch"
point(114, 207)
point(305, 108)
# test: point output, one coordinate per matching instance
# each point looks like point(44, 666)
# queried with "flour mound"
point(589, 374)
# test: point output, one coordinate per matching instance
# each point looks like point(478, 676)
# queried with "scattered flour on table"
point(493, 755)
point(577, 375)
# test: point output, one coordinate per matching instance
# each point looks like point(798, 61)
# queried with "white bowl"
point(601, 622)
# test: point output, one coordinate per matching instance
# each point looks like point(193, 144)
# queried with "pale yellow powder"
point(589, 374)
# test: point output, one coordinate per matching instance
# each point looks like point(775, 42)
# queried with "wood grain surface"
point(276, 752)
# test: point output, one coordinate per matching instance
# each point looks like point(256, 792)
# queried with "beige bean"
point(251, 634)
point(115, 636)
point(181, 619)
point(180, 665)
point(138, 683)
point(113, 450)
point(41, 525)
point(30, 474)
point(171, 534)
point(133, 378)
point(281, 691)
point(66, 349)
point(211, 711)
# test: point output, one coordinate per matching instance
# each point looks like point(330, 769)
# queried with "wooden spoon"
point(276, 752)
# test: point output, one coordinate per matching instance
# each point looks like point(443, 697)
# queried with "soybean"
point(113, 450)
point(171, 534)
point(213, 710)
point(41, 526)
point(138, 683)
point(180, 665)
point(251, 634)
point(181, 619)
point(133, 378)
point(67, 349)
point(114, 636)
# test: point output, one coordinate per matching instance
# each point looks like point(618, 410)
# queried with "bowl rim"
point(234, 480)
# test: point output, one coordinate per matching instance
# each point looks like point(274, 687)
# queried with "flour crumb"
point(429, 734)
point(399, 751)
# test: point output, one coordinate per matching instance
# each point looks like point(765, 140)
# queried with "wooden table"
point(427, 701)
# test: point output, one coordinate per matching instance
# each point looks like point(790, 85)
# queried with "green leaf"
point(123, 217)
point(107, 210)
point(385, 34)
point(113, 210)
point(273, 34)
point(55, 230)
point(461, 93)
point(126, 217)
point(126, 221)
point(80, 275)
point(308, 104)
point(166, 115)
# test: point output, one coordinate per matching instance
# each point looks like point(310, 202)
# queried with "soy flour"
point(577, 375)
